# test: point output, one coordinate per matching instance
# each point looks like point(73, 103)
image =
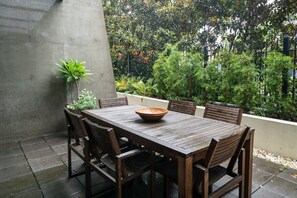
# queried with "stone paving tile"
point(10, 152)
point(263, 193)
point(34, 147)
point(60, 149)
point(57, 141)
point(289, 174)
point(17, 185)
point(221, 182)
point(74, 158)
point(96, 179)
point(43, 163)
point(78, 195)
point(10, 161)
point(14, 171)
point(281, 186)
point(260, 177)
point(48, 159)
point(9, 145)
point(267, 166)
point(59, 135)
point(78, 166)
point(61, 188)
point(51, 174)
point(28, 193)
point(46, 152)
point(31, 141)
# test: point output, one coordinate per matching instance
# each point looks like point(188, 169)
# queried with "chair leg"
point(118, 179)
point(69, 163)
point(119, 189)
point(210, 189)
point(241, 171)
point(204, 185)
point(88, 181)
point(152, 175)
point(166, 187)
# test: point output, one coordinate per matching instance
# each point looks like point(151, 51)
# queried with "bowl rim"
point(163, 111)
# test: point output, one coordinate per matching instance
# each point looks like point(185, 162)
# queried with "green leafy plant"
point(275, 62)
point(73, 70)
point(122, 83)
point(242, 76)
point(175, 73)
point(147, 88)
point(86, 100)
point(275, 104)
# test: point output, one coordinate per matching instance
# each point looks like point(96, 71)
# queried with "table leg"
point(249, 145)
point(185, 177)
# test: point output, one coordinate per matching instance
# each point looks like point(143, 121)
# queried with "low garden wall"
point(272, 135)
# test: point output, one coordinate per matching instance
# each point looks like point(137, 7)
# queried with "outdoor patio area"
point(37, 167)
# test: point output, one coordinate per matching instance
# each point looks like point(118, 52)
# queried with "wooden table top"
point(182, 133)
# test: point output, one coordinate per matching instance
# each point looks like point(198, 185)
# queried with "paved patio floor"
point(37, 167)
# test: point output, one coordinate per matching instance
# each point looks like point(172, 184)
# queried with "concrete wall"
point(273, 135)
point(34, 35)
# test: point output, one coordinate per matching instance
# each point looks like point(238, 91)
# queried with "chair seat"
point(133, 164)
point(169, 170)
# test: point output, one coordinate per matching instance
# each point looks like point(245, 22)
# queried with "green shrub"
point(279, 108)
point(232, 78)
point(86, 100)
point(175, 73)
point(274, 103)
point(275, 63)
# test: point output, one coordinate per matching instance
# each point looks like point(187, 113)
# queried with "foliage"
point(276, 105)
point(280, 108)
point(145, 89)
point(175, 73)
point(86, 100)
point(136, 85)
point(133, 46)
point(138, 30)
point(73, 70)
point(230, 78)
point(239, 83)
point(275, 63)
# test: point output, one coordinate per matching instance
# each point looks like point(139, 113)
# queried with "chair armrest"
point(129, 154)
point(200, 168)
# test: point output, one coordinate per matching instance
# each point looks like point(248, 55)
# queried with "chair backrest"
point(221, 150)
point(103, 140)
point(74, 122)
point(223, 113)
point(113, 102)
point(182, 106)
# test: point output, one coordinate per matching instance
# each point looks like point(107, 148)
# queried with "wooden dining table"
point(182, 137)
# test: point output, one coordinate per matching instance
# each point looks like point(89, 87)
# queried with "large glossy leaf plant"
point(73, 70)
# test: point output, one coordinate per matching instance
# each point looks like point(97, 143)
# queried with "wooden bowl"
point(151, 114)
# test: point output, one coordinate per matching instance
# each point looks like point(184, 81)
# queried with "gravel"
point(285, 161)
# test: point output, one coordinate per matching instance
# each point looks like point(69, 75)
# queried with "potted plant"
point(86, 100)
point(73, 70)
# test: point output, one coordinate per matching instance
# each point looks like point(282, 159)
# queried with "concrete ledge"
point(273, 135)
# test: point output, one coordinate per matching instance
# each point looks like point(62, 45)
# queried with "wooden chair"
point(74, 130)
point(116, 166)
point(113, 102)
point(223, 113)
point(209, 170)
point(181, 106)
